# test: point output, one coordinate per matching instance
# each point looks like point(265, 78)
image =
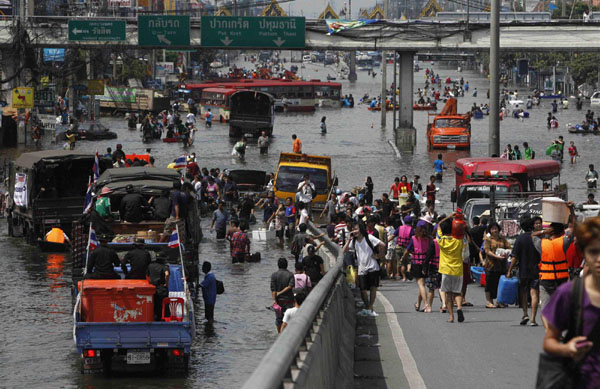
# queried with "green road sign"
point(163, 30)
point(96, 30)
point(255, 32)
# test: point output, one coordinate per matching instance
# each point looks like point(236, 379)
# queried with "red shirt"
point(430, 190)
point(396, 189)
point(574, 256)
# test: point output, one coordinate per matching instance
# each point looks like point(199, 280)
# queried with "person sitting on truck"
point(118, 154)
point(56, 235)
point(132, 206)
point(138, 259)
point(158, 272)
point(103, 203)
point(306, 192)
point(161, 205)
point(102, 262)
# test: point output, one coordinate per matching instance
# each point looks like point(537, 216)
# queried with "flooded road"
point(37, 347)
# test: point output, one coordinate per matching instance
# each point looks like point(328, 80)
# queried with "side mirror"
point(453, 195)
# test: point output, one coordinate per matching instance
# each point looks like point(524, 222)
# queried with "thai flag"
point(88, 197)
point(174, 239)
point(93, 243)
point(181, 162)
point(96, 168)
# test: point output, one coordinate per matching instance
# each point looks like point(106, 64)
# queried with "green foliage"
point(134, 68)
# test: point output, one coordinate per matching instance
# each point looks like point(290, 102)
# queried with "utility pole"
point(352, 65)
point(494, 129)
point(564, 9)
point(384, 73)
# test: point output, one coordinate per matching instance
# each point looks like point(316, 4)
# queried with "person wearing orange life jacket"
point(403, 234)
point(56, 235)
point(420, 246)
point(554, 267)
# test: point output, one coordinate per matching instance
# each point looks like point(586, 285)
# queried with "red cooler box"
point(117, 301)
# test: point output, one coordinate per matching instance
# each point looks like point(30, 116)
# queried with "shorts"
point(416, 270)
point(279, 233)
point(529, 283)
point(369, 280)
point(221, 234)
point(433, 281)
point(452, 284)
point(492, 279)
point(170, 226)
point(264, 150)
point(399, 252)
point(284, 307)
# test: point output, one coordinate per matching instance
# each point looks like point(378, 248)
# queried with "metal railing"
point(277, 365)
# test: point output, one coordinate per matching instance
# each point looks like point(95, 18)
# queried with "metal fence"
point(316, 350)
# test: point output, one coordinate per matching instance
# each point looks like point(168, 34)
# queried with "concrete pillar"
point(352, 67)
point(405, 132)
point(405, 112)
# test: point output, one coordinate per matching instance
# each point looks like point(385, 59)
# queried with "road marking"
point(411, 372)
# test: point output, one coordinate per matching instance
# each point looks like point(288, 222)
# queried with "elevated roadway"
point(407, 36)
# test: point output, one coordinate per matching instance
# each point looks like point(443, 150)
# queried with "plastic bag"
point(350, 275)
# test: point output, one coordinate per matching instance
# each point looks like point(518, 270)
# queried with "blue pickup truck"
point(137, 346)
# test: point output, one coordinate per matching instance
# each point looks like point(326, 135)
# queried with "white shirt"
point(191, 118)
point(364, 255)
point(289, 315)
point(305, 193)
point(170, 119)
point(303, 217)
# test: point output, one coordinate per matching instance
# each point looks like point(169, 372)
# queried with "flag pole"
point(87, 256)
point(181, 260)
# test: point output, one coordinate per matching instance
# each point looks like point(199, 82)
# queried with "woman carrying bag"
point(574, 361)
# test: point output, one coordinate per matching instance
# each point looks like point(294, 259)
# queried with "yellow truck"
point(291, 170)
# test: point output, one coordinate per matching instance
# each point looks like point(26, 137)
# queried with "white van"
point(595, 99)
point(307, 59)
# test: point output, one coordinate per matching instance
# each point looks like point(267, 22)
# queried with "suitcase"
point(508, 290)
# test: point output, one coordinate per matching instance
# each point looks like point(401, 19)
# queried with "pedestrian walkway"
point(402, 348)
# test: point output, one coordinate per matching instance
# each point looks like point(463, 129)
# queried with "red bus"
point(519, 178)
point(217, 99)
point(289, 95)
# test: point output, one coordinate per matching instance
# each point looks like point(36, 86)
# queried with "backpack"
point(296, 247)
point(220, 287)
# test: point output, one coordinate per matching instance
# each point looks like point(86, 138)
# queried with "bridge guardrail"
point(316, 350)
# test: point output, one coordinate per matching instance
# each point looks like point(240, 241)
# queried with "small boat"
point(543, 96)
point(53, 247)
point(171, 140)
point(579, 129)
point(478, 115)
point(425, 107)
point(515, 114)
point(378, 108)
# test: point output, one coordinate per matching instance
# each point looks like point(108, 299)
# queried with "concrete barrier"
point(316, 350)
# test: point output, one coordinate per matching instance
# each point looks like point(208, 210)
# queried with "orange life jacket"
point(554, 265)
point(56, 235)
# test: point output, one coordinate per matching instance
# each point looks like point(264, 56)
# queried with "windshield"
point(450, 123)
point(288, 178)
point(467, 192)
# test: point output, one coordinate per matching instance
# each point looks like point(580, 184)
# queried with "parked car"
point(89, 131)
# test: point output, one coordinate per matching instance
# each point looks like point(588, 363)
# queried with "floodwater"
point(36, 347)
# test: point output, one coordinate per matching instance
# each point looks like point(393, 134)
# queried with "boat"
point(579, 129)
point(171, 140)
point(53, 247)
point(378, 108)
point(544, 96)
point(425, 107)
point(477, 114)
point(515, 114)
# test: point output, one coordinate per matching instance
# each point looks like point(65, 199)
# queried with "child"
point(430, 189)
point(302, 281)
point(573, 152)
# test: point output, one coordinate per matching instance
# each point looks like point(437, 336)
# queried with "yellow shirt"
point(451, 262)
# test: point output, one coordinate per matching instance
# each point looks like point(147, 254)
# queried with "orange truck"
point(449, 129)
